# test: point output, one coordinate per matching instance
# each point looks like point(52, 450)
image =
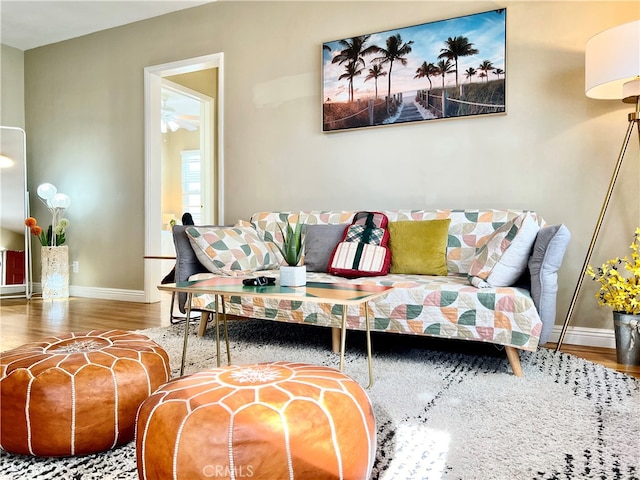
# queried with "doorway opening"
point(185, 126)
point(183, 104)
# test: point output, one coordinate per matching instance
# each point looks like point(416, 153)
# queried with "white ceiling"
point(26, 24)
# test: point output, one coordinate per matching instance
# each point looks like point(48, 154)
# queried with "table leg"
point(186, 333)
point(226, 331)
point(217, 332)
point(366, 317)
point(335, 339)
point(173, 302)
point(343, 336)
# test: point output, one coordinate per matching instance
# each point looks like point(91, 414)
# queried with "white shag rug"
point(444, 409)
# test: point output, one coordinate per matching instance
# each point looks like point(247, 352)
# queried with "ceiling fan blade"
point(185, 124)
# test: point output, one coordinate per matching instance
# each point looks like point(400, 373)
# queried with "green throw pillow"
point(419, 247)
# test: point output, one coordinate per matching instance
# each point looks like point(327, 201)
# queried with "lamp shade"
point(60, 200)
point(46, 191)
point(612, 59)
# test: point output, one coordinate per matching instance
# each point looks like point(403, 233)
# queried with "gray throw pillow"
point(319, 243)
point(546, 258)
point(187, 262)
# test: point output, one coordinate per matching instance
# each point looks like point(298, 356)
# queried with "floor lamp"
point(612, 71)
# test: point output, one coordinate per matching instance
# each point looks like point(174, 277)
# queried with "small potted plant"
point(619, 280)
point(292, 274)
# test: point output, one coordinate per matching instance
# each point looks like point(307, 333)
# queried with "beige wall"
point(203, 81)
point(553, 151)
point(11, 87)
point(11, 240)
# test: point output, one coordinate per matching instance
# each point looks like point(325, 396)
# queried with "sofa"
point(488, 276)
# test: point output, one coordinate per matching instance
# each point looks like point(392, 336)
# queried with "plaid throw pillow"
point(363, 251)
point(363, 234)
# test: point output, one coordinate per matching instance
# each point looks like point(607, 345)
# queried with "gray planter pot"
point(627, 331)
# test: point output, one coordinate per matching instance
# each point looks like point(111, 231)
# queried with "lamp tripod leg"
point(634, 119)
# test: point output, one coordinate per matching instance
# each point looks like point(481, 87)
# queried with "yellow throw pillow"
point(419, 247)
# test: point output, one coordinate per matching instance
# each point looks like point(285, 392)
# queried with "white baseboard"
point(108, 293)
point(588, 337)
point(12, 289)
point(583, 336)
point(101, 293)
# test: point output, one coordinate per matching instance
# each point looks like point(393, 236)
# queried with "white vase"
point(54, 275)
point(293, 276)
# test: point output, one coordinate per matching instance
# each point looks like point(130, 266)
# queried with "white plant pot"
point(293, 276)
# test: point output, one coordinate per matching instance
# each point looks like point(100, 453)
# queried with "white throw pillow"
point(503, 258)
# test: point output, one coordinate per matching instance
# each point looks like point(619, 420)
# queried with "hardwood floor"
point(24, 321)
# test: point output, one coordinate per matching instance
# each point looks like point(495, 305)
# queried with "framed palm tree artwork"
point(444, 69)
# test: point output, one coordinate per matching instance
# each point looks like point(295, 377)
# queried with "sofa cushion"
point(419, 247)
point(231, 250)
point(319, 243)
point(503, 257)
point(444, 307)
point(548, 251)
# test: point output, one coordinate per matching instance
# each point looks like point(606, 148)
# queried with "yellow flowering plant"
point(620, 287)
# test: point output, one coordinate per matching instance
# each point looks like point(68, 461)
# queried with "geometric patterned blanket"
point(421, 305)
point(446, 306)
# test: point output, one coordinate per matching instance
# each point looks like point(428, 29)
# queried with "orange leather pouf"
point(77, 393)
point(268, 421)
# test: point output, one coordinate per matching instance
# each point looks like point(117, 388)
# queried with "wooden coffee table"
point(344, 294)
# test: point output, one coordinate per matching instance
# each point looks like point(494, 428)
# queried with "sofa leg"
point(514, 361)
point(204, 318)
point(335, 339)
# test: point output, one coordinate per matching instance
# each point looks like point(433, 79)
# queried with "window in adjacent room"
point(191, 184)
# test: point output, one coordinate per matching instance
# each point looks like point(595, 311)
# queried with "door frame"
point(153, 153)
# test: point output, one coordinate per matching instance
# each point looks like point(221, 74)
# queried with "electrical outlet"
point(75, 267)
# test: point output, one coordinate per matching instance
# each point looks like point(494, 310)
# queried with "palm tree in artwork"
point(374, 72)
point(486, 66)
point(426, 70)
point(482, 75)
point(396, 51)
point(455, 48)
point(444, 67)
point(351, 71)
point(498, 72)
point(469, 73)
point(353, 52)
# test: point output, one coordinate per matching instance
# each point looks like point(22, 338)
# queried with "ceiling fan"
point(170, 121)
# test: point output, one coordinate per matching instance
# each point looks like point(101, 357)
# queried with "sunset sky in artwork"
point(486, 31)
